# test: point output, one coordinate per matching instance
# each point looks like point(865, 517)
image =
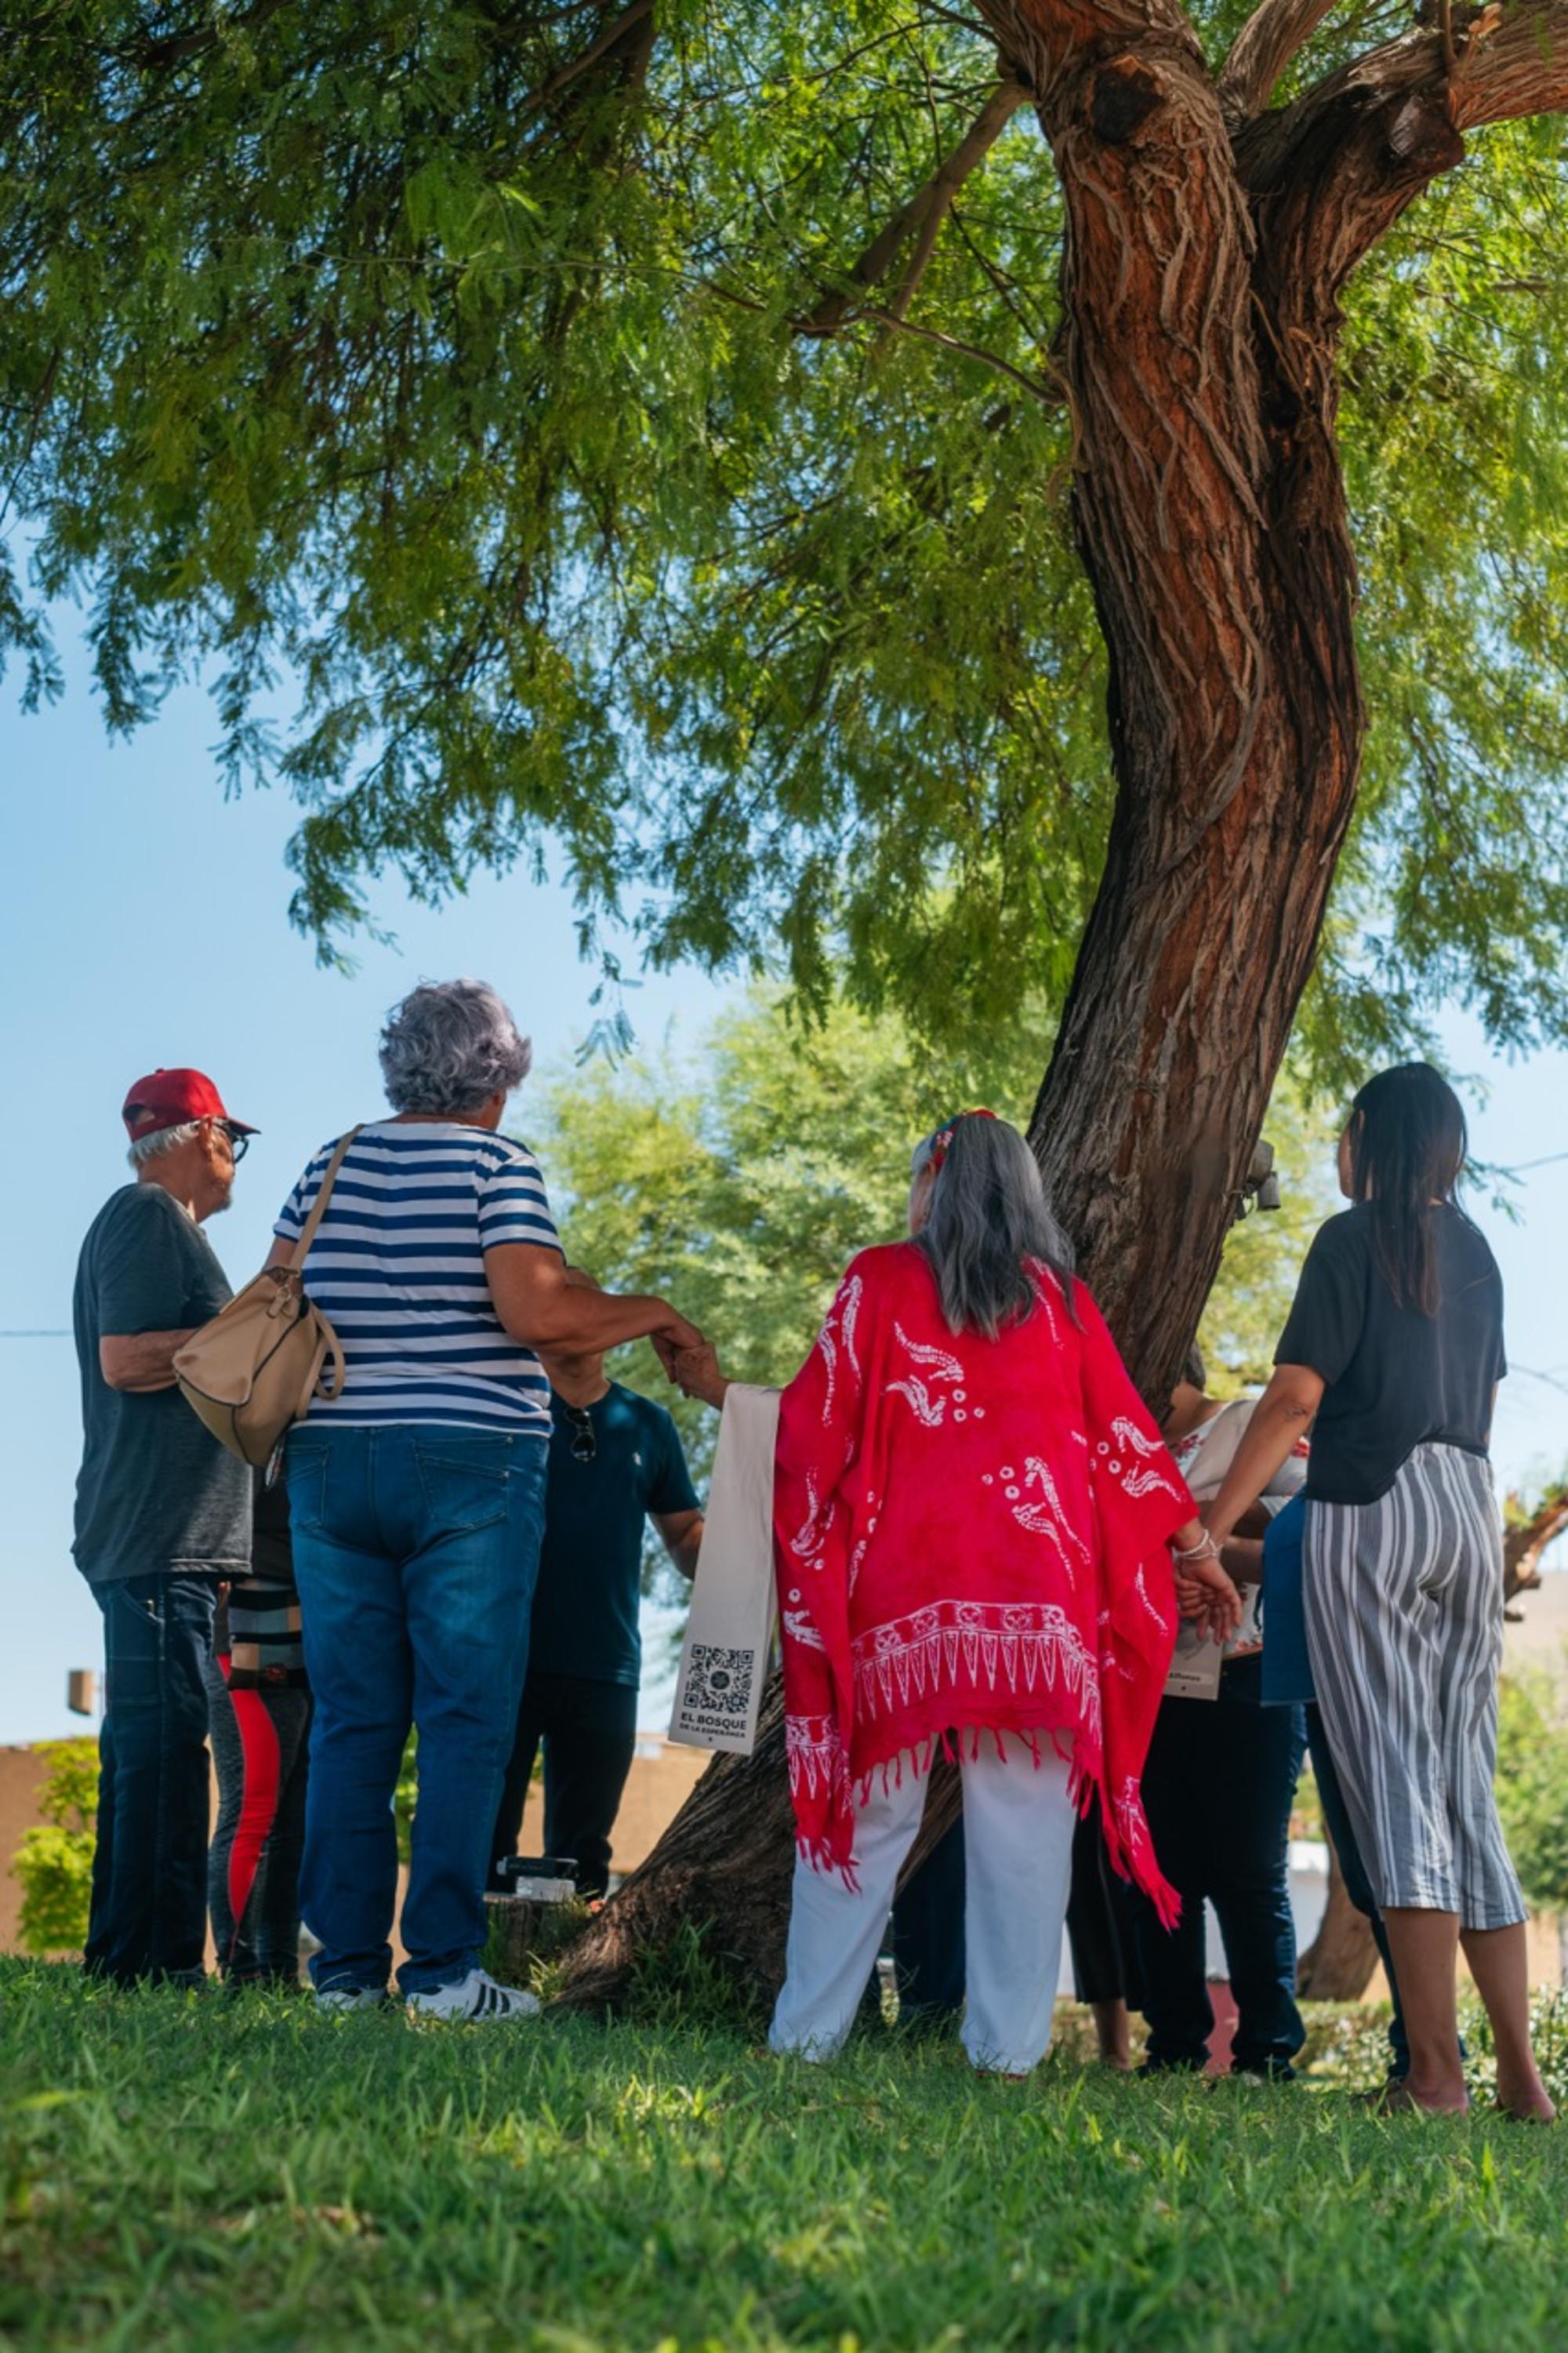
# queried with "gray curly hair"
point(449, 1046)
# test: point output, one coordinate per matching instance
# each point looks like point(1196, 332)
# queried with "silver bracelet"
point(1207, 1550)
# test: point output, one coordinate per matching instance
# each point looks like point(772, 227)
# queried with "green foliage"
point(394, 352)
point(1532, 1782)
point(668, 2185)
point(742, 1182)
point(739, 1181)
point(53, 1865)
point(405, 1796)
point(1248, 1307)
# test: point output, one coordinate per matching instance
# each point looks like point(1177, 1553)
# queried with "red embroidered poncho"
point(970, 1534)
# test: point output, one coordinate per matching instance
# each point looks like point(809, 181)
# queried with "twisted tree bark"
point(1208, 247)
point(1337, 1966)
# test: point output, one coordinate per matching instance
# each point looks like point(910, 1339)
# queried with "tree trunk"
point(1337, 1966)
point(724, 1865)
point(1203, 264)
point(1524, 1546)
point(1201, 322)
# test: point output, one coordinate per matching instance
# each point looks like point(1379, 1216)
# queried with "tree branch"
point(1522, 1547)
point(1511, 63)
point(178, 48)
point(1508, 63)
point(612, 33)
point(922, 216)
point(1265, 46)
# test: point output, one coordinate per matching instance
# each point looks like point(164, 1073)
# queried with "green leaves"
point(53, 1864)
point(460, 369)
point(1533, 1783)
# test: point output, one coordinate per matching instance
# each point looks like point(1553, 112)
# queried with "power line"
point(42, 1332)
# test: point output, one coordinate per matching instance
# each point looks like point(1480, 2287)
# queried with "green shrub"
point(1533, 1783)
point(53, 1865)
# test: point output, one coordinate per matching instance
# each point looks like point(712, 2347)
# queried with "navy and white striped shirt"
point(397, 1268)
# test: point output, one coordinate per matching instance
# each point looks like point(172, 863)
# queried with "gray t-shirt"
point(156, 1490)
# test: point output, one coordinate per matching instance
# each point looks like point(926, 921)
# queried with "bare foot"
point(1117, 2061)
point(1531, 2103)
point(1404, 2098)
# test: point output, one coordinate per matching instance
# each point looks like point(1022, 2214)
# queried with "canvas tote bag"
point(729, 1633)
point(253, 1370)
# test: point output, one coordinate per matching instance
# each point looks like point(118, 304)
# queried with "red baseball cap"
point(170, 1098)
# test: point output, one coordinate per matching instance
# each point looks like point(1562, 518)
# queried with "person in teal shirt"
point(616, 1462)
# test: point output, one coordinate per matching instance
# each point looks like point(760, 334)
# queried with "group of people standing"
point(985, 1543)
point(453, 1546)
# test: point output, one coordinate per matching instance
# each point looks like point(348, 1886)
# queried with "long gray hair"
point(988, 1215)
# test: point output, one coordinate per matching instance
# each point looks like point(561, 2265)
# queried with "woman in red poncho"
point(972, 1517)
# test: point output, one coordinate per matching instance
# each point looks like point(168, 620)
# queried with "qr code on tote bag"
point(717, 1681)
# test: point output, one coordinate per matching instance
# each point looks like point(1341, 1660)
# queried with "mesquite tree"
point(861, 483)
point(1209, 245)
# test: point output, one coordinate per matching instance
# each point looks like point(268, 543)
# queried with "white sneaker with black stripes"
point(475, 1999)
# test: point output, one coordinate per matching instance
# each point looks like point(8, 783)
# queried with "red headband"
point(942, 1138)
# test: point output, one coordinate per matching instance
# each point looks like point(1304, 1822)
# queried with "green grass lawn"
point(192, 2172)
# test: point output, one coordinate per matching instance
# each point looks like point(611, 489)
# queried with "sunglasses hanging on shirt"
point(584, 1441)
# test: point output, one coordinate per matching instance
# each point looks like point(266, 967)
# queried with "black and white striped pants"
point(1404, 1626)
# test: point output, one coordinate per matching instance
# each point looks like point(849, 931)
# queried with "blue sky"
point(147, 925)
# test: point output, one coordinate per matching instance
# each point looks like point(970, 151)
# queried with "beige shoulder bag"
point(253, 1370)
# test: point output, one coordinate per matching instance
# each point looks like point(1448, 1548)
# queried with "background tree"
point(740, 1178)
point(862, 477)
point(1532, 1782)
point(53, 1865)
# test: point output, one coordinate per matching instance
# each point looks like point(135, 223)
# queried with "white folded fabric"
point(729, 1634)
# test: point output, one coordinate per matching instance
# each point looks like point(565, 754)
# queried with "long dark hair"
point(988, 1217)
point(1407, 1146)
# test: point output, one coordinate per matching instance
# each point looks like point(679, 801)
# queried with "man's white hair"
point(161, 1140)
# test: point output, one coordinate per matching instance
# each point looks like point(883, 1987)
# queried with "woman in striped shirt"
point(416, 1492)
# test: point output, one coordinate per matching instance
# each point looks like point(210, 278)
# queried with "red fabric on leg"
point(258, 1805)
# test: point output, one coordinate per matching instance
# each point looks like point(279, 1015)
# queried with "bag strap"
point(327, 1372)
point(319, 1208)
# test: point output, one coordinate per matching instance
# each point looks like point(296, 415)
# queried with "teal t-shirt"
point(590, 1565)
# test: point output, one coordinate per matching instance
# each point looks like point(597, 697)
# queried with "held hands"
point(1203, 1589)
point(671, 1336)
point(698, 1372)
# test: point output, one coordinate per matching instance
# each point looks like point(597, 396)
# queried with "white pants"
point(1017, 1859)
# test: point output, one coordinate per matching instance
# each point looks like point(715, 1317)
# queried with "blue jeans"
point(149, 1912)
point(1218, 1790)
point(415, 1553)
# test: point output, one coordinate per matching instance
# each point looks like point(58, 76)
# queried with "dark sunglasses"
point(239, 1142)
point(584, 1441)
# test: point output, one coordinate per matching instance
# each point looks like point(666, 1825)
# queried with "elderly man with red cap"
point(163, 1514)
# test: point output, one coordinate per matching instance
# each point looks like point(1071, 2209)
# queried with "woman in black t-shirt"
point(1393, 1353)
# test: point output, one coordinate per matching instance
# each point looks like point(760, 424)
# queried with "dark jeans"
point(1218, 1790)
point(148, 1914)
point(259, 1744)
point(415, 1553)
point(589, 1730)
point(1100, 1921)
point(1357, 1886)
point(928, 1934)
